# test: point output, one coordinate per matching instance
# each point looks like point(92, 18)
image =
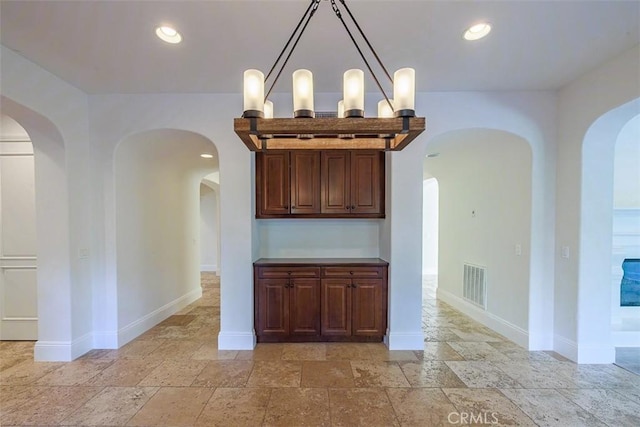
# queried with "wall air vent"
point(474, 285)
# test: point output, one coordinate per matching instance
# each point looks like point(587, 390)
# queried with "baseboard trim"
point(105, 340)
point(236, 340)
point(566, 347)
point(209, 268)
point(488, 319)
point(140, 326)
point(62, 351)
point(405, 340)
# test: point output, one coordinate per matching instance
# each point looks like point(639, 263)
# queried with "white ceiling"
point(110, 46)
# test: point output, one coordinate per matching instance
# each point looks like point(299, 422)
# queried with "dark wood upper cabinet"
point(320, 184)
point(272, 186)
point(305, 182)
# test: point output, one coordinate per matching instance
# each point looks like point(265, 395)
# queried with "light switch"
point(518, 249)
point(565, 252)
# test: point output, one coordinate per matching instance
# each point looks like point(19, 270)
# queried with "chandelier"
point(395, 126)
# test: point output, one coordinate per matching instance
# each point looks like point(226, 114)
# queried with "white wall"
point(591, 113)
point(430, 196)
point(61, 139)
point(158, 177)
point(328, 238)
point(484, 179)
point(208, 229)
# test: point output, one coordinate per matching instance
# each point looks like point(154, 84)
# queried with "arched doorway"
point(484, 179)
point(594, 289)
point(18, 247)
point(157, 186)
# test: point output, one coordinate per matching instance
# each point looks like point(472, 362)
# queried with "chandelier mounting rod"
point(311, 10)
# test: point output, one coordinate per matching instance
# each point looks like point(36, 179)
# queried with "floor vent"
point(474, 285)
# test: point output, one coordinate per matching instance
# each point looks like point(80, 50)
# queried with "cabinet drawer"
point(275, 272)
point(362, 271)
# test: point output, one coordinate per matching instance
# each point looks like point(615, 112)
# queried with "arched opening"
point(18, 247)
point(210, 224)
point(158, 177)
point(625, 294)
point(484, 177)
point(54, 331)
point(594, 306)
point(430, 209)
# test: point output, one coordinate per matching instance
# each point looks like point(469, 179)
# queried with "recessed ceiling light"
point(206, 156)
point(168, 34)
point(477, 31)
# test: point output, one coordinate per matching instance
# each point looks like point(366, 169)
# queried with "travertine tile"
point(262, 351)
point(125, 372)
point(113, 406)
point(275, 374)
point(333, 374)
point(174, 373)
point(378, 374)
point(235, 407)
point(548, 407)
point(381, 352)
point(630, 393)
point(176, 349)
point(50, 406)
point(482, 375)
point(27, 372)
point(138, 349)
point(361, 407)
point(606, 405)
point(304, 351)
point(224, 373)
point(173, 406)
point(298, 407)
point(517, 353)
point(487, 405)
point(438, 351)
point(348, 351)
point(440, 334)
point(478, 351)
point(536, 374)
point(430, 373)
point(16, 395)
point(209, 351)
point(75, 373)
point(421, 406)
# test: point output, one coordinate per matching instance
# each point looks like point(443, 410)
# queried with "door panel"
point(367, 307)
point(18, 274)
point(336, 307)
point(365, 182)
point(305, 182)
point(273, 307)
point(274, 182)
point(335, 196)
point(304, 316)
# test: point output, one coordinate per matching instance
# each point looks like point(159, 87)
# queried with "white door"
point(18, 283)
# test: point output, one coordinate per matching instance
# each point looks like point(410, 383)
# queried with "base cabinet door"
point(336, 307)
point(368, 311)
point(304, 307)
point(272, 307)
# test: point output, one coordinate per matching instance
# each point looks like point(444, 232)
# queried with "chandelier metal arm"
point(366, 40)
point(339, 15)
point(311, 10)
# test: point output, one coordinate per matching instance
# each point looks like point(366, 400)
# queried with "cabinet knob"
point(353, 206)
point(347, 207)
point(286, 206)
point(351, 273)
point(353, 286)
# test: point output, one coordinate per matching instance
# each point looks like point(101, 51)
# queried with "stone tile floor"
point(174, 375)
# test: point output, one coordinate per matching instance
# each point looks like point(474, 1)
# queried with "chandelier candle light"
point(395, 126)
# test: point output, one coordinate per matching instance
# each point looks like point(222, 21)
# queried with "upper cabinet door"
point(367, 186)
point(305, 182)
point(336, 197)
point(272, 186)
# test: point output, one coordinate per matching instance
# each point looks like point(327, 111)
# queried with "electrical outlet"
point(565, 252)
point(518, 249)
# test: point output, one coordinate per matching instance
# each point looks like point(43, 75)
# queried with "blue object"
point(630, 284)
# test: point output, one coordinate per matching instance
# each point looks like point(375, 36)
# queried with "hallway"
point(175, 375)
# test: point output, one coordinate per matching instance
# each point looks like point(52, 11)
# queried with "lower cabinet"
point(320, 302)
